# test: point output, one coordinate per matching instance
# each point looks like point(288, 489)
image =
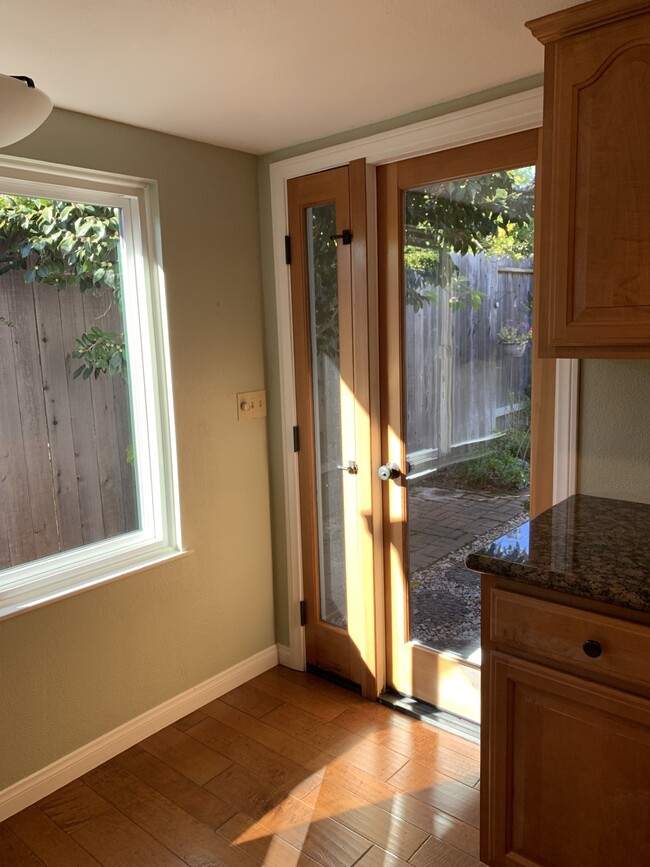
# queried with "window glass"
point(87, 465)
point(66, 436)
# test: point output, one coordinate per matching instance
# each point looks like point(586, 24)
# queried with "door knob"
point(388, 471)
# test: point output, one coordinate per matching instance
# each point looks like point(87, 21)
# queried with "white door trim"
point(499, 117)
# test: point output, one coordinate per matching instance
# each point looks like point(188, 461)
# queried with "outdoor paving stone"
point(484, 527)
point(445, 595)
point(434, 533)
point(465, 540)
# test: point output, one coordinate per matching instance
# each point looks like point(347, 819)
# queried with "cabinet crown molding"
point(577, 19)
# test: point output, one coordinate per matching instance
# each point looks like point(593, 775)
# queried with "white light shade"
point(22, 109)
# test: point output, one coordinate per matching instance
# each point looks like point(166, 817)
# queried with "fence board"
point(27, 434)
point(460, 384)
point(57, 415)
point(122, 409)
point(64, 480)
point(83, 430)
point(18, 543)
point(108, 452)
point(5, 553)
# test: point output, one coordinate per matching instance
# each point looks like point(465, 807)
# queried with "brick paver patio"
point(444, 596)
point(441, 521)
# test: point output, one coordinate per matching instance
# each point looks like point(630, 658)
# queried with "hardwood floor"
point(285, 770)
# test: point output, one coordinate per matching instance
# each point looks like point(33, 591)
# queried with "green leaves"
point(101, 352)
point(68, 245)
point(491, 214)
point(464, 216)
point(62, 243)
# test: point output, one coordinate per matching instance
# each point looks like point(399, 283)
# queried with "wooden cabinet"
point(593, 273)
point(565, 735)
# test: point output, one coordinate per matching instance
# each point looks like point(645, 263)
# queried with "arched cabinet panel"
point(594, 267)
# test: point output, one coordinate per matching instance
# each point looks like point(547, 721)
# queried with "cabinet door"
point(595, 223)
point(568, 771)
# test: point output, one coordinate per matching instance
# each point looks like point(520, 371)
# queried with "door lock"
point(389, 471)
point(351, 468)
point(345, 236)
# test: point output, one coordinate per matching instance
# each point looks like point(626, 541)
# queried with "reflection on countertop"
point(591, 547)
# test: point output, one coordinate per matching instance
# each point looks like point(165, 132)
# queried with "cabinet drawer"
point(556, 632)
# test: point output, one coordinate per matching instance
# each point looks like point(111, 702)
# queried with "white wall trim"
point(499, 117)
point(42, 783)
point(284, 655)
point(567, 394)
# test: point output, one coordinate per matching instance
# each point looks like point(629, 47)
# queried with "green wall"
point(614, 459)
point(76, 669)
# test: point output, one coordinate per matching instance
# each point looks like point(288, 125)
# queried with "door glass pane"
point(326, 385)
point(468, 277)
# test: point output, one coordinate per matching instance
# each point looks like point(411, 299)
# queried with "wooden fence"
point(64, 476)
point(461, 386)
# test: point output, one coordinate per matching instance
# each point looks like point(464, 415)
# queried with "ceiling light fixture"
point(23, 108)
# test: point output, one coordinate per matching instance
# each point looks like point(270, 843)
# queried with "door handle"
point(351, 468)
point(389, 471)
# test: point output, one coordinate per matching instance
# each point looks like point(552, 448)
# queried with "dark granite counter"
point(591, 547)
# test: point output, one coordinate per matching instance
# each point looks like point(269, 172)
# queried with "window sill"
point(38, 598)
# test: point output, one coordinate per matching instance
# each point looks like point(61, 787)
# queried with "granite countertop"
point(591, 547)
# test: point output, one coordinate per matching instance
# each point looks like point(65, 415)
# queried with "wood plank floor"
point(285, 770)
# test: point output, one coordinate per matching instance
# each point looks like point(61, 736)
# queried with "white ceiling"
point(259, 75)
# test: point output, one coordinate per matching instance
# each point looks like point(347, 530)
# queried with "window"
point(88, 487)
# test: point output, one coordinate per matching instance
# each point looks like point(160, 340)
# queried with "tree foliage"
point(68, 245)
point(101, 352)
point(490, 214)
point(324, 289)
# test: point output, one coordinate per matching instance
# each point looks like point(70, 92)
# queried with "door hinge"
point(296, 438)
point(287, 249)
point(303, 612)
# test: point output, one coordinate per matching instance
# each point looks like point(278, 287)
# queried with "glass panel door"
point(328, 397)
point(468, 280)
point(456, 309)
point(322, 309)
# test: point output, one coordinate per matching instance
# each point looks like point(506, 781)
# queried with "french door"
point(455, 277)
point(402, 386)
point(334, 410)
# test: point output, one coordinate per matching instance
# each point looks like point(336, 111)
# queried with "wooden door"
point(327, 224)
point(419, 273)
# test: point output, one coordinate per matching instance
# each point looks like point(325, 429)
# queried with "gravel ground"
point(445, 598)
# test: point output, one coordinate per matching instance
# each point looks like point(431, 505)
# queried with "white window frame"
point(50, 578)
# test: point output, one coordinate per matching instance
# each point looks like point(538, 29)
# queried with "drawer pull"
point(592, 648)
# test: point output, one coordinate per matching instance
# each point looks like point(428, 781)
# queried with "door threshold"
point(334, 678)
point(432, 715)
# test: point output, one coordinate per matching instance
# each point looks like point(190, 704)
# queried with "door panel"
point(331, 349)
point(450, 394)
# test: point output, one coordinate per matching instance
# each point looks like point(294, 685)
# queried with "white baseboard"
point(31, 789)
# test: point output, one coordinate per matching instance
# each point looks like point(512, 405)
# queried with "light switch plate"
point(251, 404)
